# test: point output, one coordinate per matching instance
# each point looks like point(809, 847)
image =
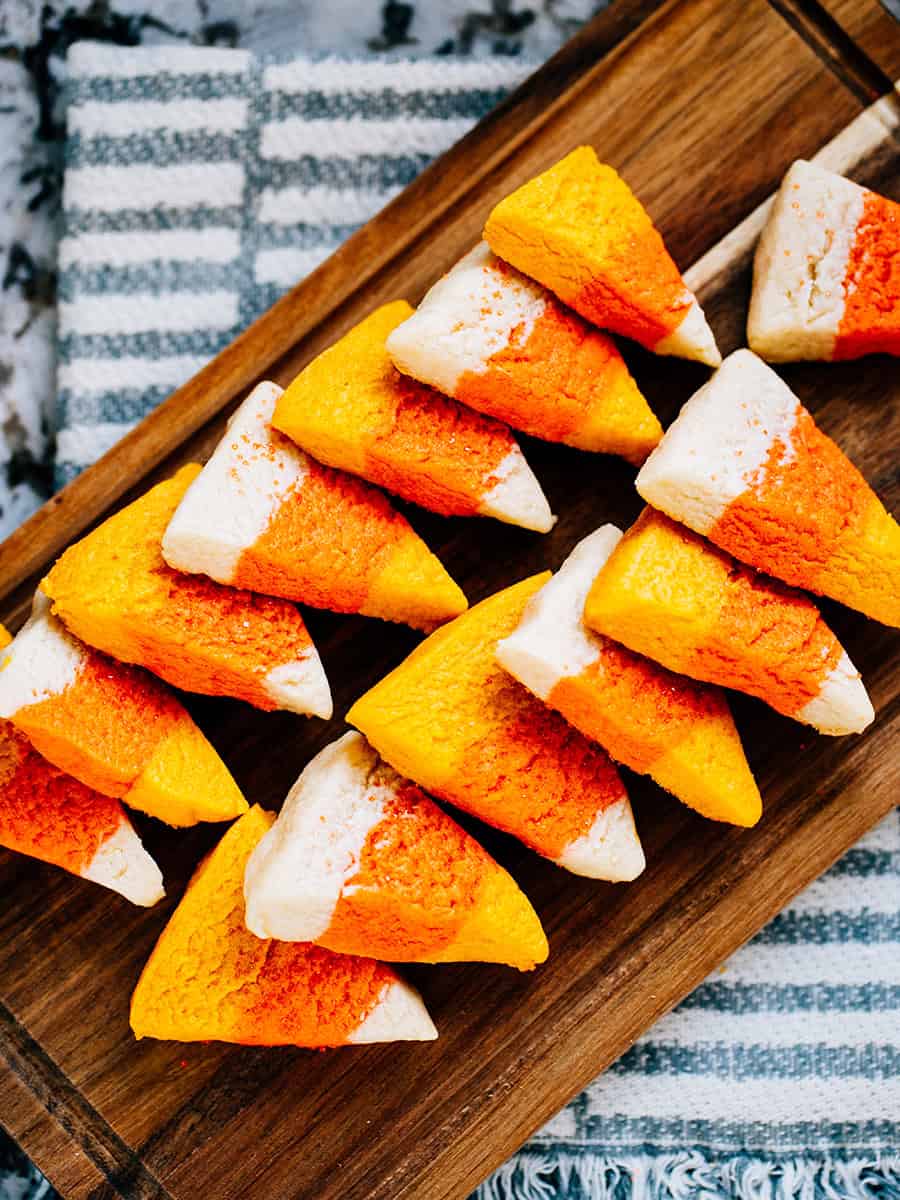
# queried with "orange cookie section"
point(678, 732)
point(342, 546)
point(811, 519)
point(210, 979)
point(667, 593)
point(567, 383)
point(115, 728)
point(113, 590)
point(52, 817)
point(453, 720)
point(45, 813)
point(870, 323)
point(421, 873)
point(351, 408)
point(580, 230)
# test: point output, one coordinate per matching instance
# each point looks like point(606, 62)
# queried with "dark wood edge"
point(248, 358)
point(57, 1096)
point(834, 46)
point(27, 1122)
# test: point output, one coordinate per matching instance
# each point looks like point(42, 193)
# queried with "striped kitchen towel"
point(200, 184)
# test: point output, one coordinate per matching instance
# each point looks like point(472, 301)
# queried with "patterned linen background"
point(200, 184)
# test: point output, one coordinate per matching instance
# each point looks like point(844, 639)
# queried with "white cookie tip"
point(516, 497)
point(693, 339)
point(295, 876)
point(551, 642)
point(842, 705)
point(123, 865)
point(399, 1016)
point(610, 850)
point(301, 686)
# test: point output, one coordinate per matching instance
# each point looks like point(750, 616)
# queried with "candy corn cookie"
point(746, 465)
point(452, 719)
point(114, 591)
point(210, 979)
point(666, 593)
point(679, 732)
point(351, 408)
point(47, 814)
point(502, 344)
point(580, 230)
point(826, 277)
point(114, 727)
point(363, 862)
point(262, 515)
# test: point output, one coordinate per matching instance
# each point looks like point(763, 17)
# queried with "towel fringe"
point(692, 1175)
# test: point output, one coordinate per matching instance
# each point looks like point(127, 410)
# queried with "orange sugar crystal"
point(435, 452)
point(806, 500)
point(646, 711)
point(870, 323)
point(47, 814)
point(335, 532)
point(97, 729)
point(419, 877)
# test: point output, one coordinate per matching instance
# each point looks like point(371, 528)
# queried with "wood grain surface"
point(674, 96)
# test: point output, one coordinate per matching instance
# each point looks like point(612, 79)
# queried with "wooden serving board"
point(702, 104)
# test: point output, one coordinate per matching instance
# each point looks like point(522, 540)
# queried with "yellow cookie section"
point(210, 979)
point(620, 421)
point(185, 781)
point(501, 926)
point(667, 593)
point(580, 230)
point(344, 399)
point(659, 593)
point(708, 770)
point(5, 637)
point(863, 570)
point(413, 588)
point(454, 721)
point(678, 732)
point(114, 590)
point(351, 408)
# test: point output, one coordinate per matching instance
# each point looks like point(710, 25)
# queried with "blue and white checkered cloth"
point(200, 184)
